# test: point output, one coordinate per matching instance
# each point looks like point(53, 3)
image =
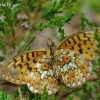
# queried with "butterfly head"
point(50, 43)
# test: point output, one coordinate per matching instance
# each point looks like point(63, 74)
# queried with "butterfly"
point(70, 61)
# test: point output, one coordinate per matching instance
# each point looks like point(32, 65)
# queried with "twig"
point(11, 25)
point(99, 73)
point(67, 94)
point(92, 79)
point(66, 6)
point(91, 95)
point(34, 15)
point(20, 93)
point(70, 92)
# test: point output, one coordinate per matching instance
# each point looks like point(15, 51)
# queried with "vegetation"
point(37, 15)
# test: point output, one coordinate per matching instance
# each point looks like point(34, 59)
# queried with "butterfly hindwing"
point(75, 68)
point(43, 78)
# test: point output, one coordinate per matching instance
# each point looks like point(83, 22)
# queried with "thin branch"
point(92, 79)
point(33, 16)
point(99, 73)
point(10, 23)
point(11, 26)
point(73, 90)
point(67, 94)
point(20, 93)
point(91, 95)
point(66, 6)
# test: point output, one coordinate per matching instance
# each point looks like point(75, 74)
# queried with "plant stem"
point(67, 94)
point(20, 93)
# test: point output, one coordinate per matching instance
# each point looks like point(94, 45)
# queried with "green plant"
point(39, 16)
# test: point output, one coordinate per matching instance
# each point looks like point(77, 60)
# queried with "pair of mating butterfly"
point(70, 60)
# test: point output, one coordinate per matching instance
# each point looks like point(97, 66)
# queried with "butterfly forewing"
point(82, 42)
point(19, 68)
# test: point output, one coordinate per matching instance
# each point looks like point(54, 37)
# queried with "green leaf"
point(96, 87)
point(44, 96)
point(98, 96)
point(61, 33)
point(4, 96)
point(85, 21)
point(98, 82)
point(2, 45)
point(16, 93)
point(84, 87)
point(24, 89)
point(1, 34)
point(90, 89)
point(96, 51)
point(54, 98)
point(70, 97)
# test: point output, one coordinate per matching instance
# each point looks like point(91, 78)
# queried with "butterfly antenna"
point(57, 32)
point(55, 35)
point(41, 35)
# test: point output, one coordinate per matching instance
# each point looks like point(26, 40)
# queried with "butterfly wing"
point(43, 78)
point(34, 69)
point(82, 42)
point(75, 68)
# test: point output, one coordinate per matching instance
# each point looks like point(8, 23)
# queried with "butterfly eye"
point(53, 43)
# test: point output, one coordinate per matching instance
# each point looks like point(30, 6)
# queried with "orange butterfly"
point(70, 60)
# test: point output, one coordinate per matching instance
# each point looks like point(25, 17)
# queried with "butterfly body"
point(69, 60)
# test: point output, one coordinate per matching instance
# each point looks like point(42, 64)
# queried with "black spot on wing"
point(74, 40)
point(32, 54)
point(65, 44)
point(34, 61)
point(21, 72)
point(84, 42)
point(37, 54)
point(80, 50)
point(21, 58)
point(14, 66)
point(88, 39)
point(20, 65)
point(14, 60)
point(78, 37)
point(79, 45)
point(68, 41)
point(27, 57)
point(88, 48)
point(30, 69)
point(27, 64)
point(84, 34)
point(72, 47)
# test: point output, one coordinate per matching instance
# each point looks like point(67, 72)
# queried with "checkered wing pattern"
point(34, 69)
